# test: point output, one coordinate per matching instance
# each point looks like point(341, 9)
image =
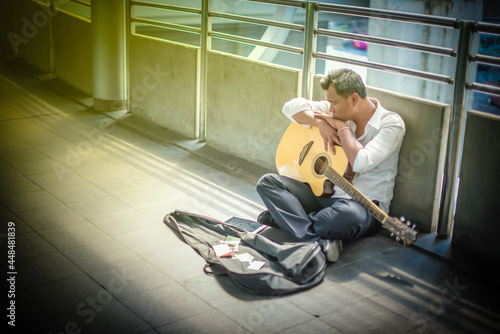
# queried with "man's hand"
point(327, 131)
point(349, 143)
point(326, 124)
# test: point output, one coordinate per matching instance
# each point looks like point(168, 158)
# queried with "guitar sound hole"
point(320, 165)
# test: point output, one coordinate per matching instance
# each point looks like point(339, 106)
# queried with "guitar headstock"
point(401, 231)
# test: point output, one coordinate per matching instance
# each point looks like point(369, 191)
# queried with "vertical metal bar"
point(205, 46)
point(309, 62)
point(52, 63)
point(132, 24)
point(128, 28)
point(455, 135)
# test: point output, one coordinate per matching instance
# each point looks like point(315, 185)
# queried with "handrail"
point(390, 68)
point(487, 28)
point(80, 2)
point(289, 3)
point(171, 26)
point(483, 88)
point(272, 23)
point(484, 59)
point(390, 15)
point(166, 7)
point(389, 42)
point(266, 22)
point(252, 41)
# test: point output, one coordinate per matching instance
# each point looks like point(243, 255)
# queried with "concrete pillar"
point(109, 54)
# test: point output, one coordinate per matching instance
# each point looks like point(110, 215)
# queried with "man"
point(371, 138)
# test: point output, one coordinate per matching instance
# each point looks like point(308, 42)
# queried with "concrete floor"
point(88, 192)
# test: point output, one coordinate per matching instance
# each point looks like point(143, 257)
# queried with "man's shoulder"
point(391, 118)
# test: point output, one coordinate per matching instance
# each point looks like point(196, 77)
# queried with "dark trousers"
point(308, 217)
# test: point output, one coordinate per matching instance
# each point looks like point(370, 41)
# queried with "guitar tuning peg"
point(398, 238)
point(408, 223)
point(402, 218)
point(413, 227)
point(392, 235)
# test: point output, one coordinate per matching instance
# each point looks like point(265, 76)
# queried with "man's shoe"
point(331, 248)
point(265, 218)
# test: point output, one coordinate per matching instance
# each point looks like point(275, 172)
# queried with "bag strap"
point(209, 270)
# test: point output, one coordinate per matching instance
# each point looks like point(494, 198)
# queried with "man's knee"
point(347, 222)
point(266, 181)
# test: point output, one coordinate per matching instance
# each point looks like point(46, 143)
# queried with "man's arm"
point(348, 142)
point(385, 143)
point(305, 112)
point(345, 137)
point(364, 158)
point(328, 133)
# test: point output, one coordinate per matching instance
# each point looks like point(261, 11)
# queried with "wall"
point(421, 159)
point(476, 218)
point(417, 190)
point(244, 106)
point(9, 32)
point(27, 32)
point(73, 51)
point(163, 80)
point(28, 35)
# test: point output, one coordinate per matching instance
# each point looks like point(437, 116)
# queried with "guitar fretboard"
point(355, 194)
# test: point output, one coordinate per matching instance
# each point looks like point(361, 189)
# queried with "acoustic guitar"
point(301, 156)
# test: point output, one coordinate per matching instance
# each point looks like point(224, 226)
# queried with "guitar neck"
point(356, 195)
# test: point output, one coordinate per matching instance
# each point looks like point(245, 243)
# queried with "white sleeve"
point(299, 104)
point(380, 147)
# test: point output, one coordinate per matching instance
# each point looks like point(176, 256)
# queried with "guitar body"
point(301, 156)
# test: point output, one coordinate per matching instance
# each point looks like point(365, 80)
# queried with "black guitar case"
point(288, 266)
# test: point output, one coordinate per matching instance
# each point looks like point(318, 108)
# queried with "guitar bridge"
point(304, 152)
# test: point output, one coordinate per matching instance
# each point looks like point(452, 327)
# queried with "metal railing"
point(310, 54)
point(458, 118)
point(485, 28)
point(389, 15)
point(311, 31)
point(51, 7)
point(171, 26)
point(80, 2)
